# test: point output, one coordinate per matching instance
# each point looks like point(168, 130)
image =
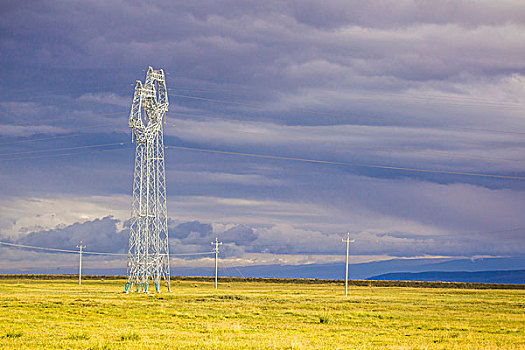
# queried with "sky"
point(423, 85)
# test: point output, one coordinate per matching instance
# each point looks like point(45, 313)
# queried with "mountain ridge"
point(505, 276)
point(319, 271)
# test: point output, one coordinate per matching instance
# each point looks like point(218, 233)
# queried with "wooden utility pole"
point(348, 241)
point(216, 250)
point(80, 246)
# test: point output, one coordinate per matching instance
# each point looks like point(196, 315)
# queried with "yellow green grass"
point(47, 314)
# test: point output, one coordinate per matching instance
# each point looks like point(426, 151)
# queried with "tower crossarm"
point(162, 102)
point(150, 104)
point(135, 115)
point(155, 97)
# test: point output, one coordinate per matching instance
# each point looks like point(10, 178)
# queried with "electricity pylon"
point(148, 255)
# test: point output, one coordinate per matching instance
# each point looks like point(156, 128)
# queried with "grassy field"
point(48, 314)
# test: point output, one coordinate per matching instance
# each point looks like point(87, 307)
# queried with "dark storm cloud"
point(100, 235)
point(375, 82)
point(284, 239)
point(240, 235)
point(249, 41)
point(196, 237)
point(191, 232)
point(391, 14)
point(288, 54)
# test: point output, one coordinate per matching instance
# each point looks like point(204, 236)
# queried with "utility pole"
point(216, 250)
point(348, 241)
point(80, 246)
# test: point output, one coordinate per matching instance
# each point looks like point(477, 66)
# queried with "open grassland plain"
point(60, 314)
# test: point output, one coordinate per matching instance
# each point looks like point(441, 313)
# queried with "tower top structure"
point(150, 104)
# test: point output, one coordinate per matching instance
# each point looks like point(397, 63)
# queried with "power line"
point(259, 106)
point(253, 155)
point(457, 155)
point(42, 138)
point(112, 123)
point(188, 254)
point(57, 249)
point(450, 154)
point(60, 136)
point(40, 248)
point(378, 166)
point(213, 100)
point(223, 264)
point(459, 100)
point(242, 89)
point(498, 231)
point(206, 90)
point(482, 129)
point(339, 115)
point(452, 100)
point(64, 154)
point(32, 121)
point(396, 126)
point(89, 252)
point(63, 149)
point(263, 156)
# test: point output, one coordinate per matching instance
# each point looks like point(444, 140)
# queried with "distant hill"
point(321, 271)
point(512, 276)
point(358, 271)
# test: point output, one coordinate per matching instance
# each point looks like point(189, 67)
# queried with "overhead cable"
point(60, 136)
point(264, 156)
point(65, 154)
point(87, 251)
point(63, 149)
point(377, 166)
point(339, 115)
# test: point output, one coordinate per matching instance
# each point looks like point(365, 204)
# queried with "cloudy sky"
point(422, 85)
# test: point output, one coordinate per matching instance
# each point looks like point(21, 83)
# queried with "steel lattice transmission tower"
point(148, 256)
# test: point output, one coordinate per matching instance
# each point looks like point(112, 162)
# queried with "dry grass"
point(60, 314)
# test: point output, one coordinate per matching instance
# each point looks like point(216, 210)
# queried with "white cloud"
point(106, 98)
point(474, 150)
point(422, 84)
point(221, 177)
point(21, 216)
point(29, 130)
